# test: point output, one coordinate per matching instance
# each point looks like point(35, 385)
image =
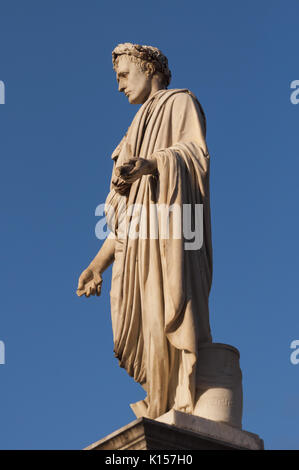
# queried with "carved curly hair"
point(149, 60)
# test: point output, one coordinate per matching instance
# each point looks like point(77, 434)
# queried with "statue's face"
point(131, 81)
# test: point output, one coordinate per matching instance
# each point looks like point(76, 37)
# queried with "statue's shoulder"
point(183, 100)
point(178, 96)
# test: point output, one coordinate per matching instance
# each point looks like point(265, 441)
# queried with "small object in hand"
point(124, 170)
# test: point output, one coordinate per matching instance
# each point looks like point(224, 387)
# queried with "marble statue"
point(159, 289)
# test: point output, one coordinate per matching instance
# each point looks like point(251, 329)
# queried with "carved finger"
point(133, 176)
point(87, 293)
point(80, 284)
point(125, 169)
point(122, 170)
point(92, 290)
point(80, 292)
point(82, 280)
point(133, 160)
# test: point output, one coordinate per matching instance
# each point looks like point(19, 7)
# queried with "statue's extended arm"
point(90, 281)
point(135, 168)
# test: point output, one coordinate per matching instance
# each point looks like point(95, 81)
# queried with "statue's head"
point(139, 70)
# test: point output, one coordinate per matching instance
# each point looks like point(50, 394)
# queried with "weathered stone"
point(178, 431)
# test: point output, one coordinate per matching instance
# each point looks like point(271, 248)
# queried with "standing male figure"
point(160, 289)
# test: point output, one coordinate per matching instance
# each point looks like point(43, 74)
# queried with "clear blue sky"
point(61, 387)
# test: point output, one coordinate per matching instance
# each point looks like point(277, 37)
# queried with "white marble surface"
point(214, 429)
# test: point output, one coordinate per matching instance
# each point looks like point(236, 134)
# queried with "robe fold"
point(159, 291)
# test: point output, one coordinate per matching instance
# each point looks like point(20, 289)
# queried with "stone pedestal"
point(178, 431)
point(219, 394)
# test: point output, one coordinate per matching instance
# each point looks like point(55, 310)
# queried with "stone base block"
point(178, 431)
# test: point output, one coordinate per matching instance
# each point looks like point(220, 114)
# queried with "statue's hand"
point(120, 186)
point(135, 168)
point(90, 283)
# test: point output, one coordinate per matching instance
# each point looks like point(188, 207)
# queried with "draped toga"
point(159, 289)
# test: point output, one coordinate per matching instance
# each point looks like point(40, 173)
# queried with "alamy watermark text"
point(294, 357)
point(2, 92)
point(153, 221)
point(2, 352)
point(295, 94)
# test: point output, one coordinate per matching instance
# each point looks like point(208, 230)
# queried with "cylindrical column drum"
point(219, 395)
